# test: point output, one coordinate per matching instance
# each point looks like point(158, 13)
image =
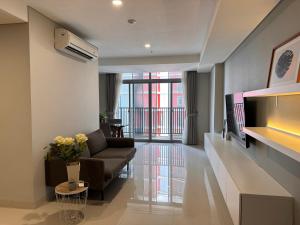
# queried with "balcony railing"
point(161, 120)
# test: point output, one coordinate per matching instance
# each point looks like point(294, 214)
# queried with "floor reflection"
point(159, 173)
point(168, 184)
point(173, 184)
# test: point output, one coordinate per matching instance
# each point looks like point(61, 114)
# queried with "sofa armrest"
point(92, 171)
point(55, 172)
point(120, 142)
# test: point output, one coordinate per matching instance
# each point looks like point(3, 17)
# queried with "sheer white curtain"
point(189, 81)
point(117, 91)
point(113, 85)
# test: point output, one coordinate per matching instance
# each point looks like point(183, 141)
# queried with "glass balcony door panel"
point(135, 76)
point(178, 111)
point(140, 111)
point(123, 111)
point(154, 107)
point(152, 76)
point(160, 112)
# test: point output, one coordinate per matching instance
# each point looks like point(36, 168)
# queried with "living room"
point(197, 111)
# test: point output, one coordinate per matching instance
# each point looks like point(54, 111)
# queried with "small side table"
point(73, 203)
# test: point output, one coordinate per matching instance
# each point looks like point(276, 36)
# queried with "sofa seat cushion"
point(123, 153)
point(112, 167)
point(96, 142)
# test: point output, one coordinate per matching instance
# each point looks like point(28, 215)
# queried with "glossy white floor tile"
point(168, 184)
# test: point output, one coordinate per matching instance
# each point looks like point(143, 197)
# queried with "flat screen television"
point(239, 114)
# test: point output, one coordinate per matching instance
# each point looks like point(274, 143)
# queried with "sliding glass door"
point(140, 111)
point(134, 110)
point(152, 109)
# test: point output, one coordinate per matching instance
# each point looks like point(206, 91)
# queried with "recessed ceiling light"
point(147, 45)
point(132, 21)
point(117, 3)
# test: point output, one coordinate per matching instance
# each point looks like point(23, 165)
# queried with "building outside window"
point(135, 97)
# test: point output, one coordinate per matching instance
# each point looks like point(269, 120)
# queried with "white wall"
point(248, 68)
point(216, 98)
point(203, 93)
point(16, 186)
point(64, 94)
point(43, 94)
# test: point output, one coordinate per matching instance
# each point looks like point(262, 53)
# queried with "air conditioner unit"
point(71, 44)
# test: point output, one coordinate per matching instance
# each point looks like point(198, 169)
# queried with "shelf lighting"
point(291, 131)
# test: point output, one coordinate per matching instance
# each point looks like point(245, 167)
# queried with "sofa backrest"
point(96, 142)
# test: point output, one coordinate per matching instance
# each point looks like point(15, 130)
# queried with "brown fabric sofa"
point(99, 165)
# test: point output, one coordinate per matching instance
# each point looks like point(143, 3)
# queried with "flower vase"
point(73, 170)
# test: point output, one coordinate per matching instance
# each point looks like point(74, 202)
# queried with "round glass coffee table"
point(72, 202)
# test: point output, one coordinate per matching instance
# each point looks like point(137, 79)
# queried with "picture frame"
point(285, 63)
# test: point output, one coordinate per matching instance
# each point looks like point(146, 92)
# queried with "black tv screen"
point(236, 118)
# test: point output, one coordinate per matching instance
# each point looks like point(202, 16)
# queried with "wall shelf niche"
point(283, 142)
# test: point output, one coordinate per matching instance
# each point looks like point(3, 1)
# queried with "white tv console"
point(252, 196)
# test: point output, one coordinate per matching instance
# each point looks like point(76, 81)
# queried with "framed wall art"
point(285, 63)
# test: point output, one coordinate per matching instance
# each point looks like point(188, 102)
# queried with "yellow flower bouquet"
point(68, 149)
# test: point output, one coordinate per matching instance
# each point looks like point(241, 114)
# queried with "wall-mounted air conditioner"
point(73, 45)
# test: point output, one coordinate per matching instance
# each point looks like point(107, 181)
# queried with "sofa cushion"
point(86, 153)
point(96, 142)
point(112, 167)
point(123, 153)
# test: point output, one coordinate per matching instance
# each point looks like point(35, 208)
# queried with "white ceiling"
point(232, 23)
point(149, 68)
point(150, 64)
point(173, 27)
point(180, 31)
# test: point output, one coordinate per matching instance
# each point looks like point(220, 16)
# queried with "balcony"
point(167, 123)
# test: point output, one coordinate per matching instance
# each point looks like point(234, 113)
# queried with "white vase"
point(73, 170)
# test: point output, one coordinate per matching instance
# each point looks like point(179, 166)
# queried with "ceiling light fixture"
point(117, 3)
point(132, 21)
point(147, 45)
